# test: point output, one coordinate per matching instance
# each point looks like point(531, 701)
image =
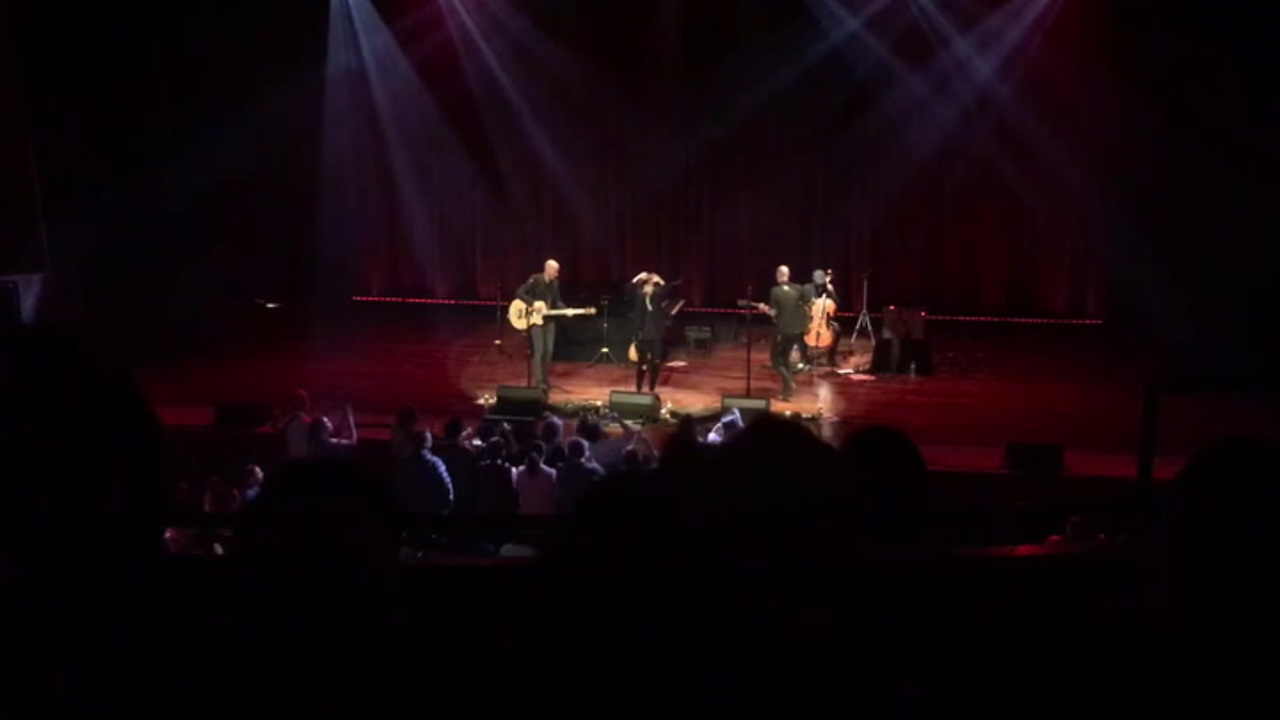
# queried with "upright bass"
point(819, 334)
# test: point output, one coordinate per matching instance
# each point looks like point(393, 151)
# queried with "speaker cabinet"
point(240, 416)
point(644, 407)
point(1034, 458)
point(515, 402)
point(902, 323)
point(748, 407)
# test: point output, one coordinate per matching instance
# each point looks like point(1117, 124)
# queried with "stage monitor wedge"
point(748, 407)
point(644, 407)
point(515, 402)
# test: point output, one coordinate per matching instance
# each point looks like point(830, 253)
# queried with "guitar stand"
point(604, 353)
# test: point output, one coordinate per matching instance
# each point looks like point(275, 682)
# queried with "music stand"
point(604, 353)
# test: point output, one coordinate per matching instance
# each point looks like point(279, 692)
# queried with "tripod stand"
point(497, 347)
point(604, 353)
point(864, 318)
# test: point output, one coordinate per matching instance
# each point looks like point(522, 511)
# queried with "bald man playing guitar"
point(789, 308)
point(534, 310)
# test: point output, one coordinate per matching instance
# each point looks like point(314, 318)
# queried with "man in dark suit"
point(542, 289)
point(821, 287)
point(651, 316)
point(790, 312)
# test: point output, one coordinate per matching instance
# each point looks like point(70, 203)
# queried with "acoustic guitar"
point(522, 316)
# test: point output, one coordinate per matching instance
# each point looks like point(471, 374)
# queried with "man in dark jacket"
point(790, 313)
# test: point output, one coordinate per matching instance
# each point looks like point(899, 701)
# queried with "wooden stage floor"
point(993, 383)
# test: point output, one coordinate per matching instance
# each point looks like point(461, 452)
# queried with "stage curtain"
point(997, 219)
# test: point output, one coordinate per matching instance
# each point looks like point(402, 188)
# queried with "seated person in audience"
point(422, 485)
point(220, 496)
point(250, 483)
point(495, 481)
point(605, 449)
point(459, 457)
point(551, 433)
point(294, 423)
point(321, 438)
point(406, 424)
point(640, 454)
point(576, 476)
point(536, 484)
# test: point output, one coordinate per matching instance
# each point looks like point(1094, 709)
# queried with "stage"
point(993, 383)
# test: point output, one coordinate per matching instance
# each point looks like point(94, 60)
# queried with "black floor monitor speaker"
point(902, 323)
point(1034, 458)
point(515, 402)
point(748, 407)
point(240, 416)
point(635, 406)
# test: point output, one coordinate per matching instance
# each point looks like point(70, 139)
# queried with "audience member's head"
point(890, 485)
point(684, 451)
point(82, 518)
point(251, 476)
point(299, 401)
point(101, 487)
point(589, 429)
point(453, 429)
point(537, 451)
point(880, 452)
point(1221, 538)
point(407, 418)
point(1225, 498)
point(522, 433)
point(780, 489)
point(495, 450)
point(632, 460)
point(551, 431)
point(420, 441)
point(318, 433)
point(320, 525)
point(220, 496)
point(577, 449)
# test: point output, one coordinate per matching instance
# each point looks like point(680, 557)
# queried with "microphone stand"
point(746, 310)
point(497, 346)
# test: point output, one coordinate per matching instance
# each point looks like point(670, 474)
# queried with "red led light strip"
point(732, 311)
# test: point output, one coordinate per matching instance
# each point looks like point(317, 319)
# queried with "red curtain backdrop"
point(999, 219)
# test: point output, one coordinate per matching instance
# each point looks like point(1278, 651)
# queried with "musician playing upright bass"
point(542, 291)
point(821, 288)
